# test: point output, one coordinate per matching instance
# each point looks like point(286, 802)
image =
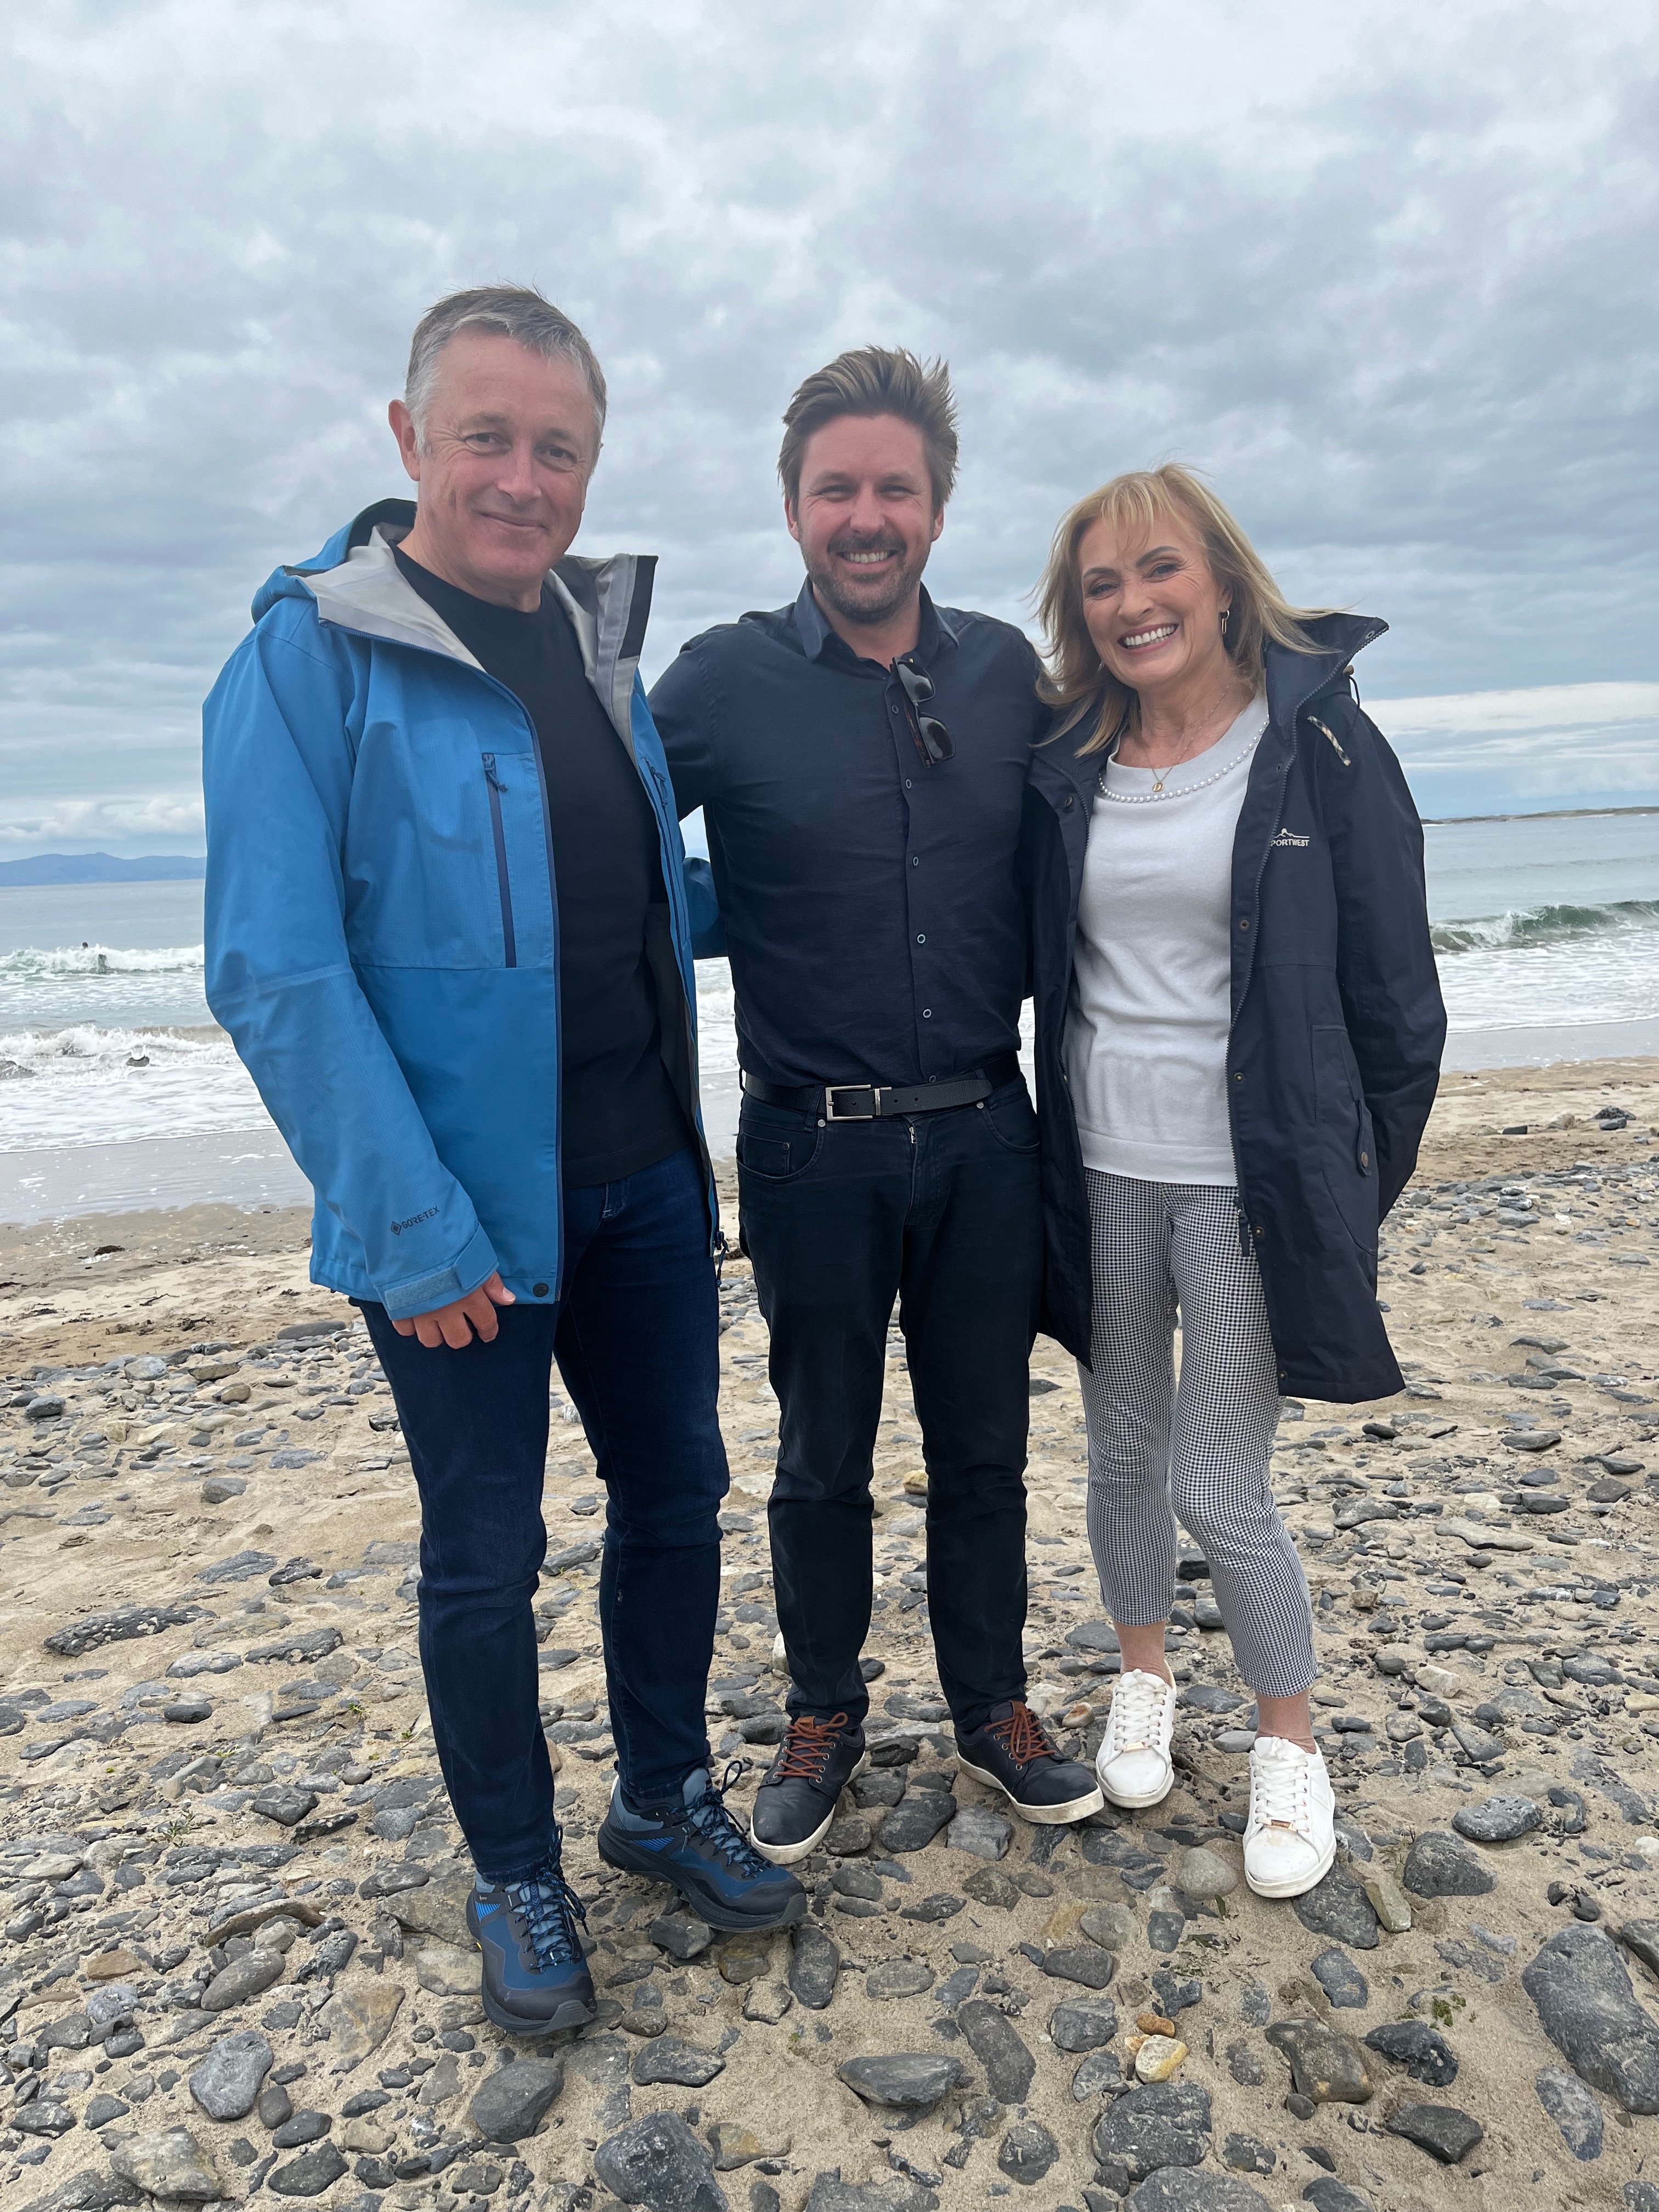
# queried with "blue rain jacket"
point(382, 921)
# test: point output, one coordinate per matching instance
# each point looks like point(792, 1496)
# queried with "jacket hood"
point(355, 584)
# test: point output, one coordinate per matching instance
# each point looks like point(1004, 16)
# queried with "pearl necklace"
point(1158, 792)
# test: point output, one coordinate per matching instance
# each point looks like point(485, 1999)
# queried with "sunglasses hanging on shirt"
point(933, 740)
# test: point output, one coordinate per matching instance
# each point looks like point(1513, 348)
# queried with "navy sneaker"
point(1012, 1753)
point(697, 1847)
point(535, 1978)
point(796, 1802)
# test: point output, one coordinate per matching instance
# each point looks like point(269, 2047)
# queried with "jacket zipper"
point(510, 939)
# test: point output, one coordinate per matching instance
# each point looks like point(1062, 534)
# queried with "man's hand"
point(453, 1325)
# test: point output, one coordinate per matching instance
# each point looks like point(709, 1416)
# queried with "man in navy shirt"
point(861, 759)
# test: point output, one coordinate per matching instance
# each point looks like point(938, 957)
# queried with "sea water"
point(117, 1090)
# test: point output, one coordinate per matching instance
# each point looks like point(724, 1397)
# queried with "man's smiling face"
point(502, 457)
point(864, 517)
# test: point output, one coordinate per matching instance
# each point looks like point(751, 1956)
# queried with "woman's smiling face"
point(1151, 605)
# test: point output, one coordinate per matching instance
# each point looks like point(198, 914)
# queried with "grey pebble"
point(814, 1966)
point(1497, 1819)
point(1443, 1865)
point(1574, 2109)
point(669, 2059)
point(997, 2044)
point(1443, 2131)
point(1581, 1990)
point(1078, 2026)
point(1164, 2124)
point(914, 2080)
point(1342, 1980)
point(1421, 2049)
point(1338, 1907)
point(227, 2083)
point(912, 1824)
point(1026, 2152)
point(511, 2102)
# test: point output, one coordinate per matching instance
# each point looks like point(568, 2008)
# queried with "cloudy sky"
point(1386, 274)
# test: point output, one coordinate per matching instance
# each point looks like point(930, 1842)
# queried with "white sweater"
point(1150, 1011)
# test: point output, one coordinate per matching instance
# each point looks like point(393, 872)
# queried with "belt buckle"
point(829, 1090)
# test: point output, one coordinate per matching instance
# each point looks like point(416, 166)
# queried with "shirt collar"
point(815, 632)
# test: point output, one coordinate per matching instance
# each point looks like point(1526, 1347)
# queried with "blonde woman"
point(1239, 1037)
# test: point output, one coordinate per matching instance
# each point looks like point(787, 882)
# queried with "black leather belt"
point(882, 1102)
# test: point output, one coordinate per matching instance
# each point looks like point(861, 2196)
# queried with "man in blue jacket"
point(449, 930)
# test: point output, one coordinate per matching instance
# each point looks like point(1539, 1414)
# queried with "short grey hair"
point(514, 311)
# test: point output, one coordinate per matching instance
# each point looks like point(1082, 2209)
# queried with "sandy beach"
point(233, 1886)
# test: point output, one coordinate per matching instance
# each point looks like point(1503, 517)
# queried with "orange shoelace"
point(807, 1748)
point(1023, 1736)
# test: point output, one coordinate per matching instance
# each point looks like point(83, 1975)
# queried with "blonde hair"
point(1076, 680)
point(875, 380)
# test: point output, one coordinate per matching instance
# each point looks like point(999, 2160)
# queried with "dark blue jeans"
point(942, 1213)
point(636, 1335)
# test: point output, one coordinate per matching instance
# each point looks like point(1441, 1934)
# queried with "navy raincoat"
point(1337, 1021)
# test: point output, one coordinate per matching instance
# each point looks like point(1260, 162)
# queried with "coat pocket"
point(498, 832)
point(1346, 1146)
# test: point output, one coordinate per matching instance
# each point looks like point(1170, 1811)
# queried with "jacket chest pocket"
point(1346, 1144)
point(518, 845)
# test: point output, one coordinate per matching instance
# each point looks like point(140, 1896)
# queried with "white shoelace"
point(1137, 1710)
point(1281, 1795)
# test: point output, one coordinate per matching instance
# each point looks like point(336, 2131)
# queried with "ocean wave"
point(85, 1052)
point(69, 962)
point(1543, 924)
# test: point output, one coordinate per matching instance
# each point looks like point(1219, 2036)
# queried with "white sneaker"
point(1290, 1840)
point(1133, 1765)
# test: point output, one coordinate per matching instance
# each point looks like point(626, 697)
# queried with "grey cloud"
point(1387, 279)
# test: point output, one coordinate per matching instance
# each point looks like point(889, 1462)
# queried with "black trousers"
point(940, 1213)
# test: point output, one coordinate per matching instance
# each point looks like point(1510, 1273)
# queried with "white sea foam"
point(88, 1086)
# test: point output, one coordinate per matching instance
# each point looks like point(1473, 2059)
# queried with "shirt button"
point(928, 1013)
point(539, 1289)
point(1243, 924)
point(907, 783)
point(916, 863)
point(921, 937)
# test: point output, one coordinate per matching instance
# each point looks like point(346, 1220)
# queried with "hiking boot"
point(535, 1978)
point(797, 1800)
point(1012, 1753)
point(1134, 1762)
point(694, 1843)
point(1290, 1839)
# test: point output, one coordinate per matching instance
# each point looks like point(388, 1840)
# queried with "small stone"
point(766, 2001)
point(1244, 2064)
point(227, 2083)
point(735, 2145)
point(1389, 1900)
point(1339, 1907)
point(659, 2163)
point(219, 1489)
point(1087, 1965)
point(669, 2059)
point(1112, 1926)
point(303, 2128)
point(1078, 2026)
point(744, 1958)
point(1421, 2049)
point(980, 1832)
point(1342, 1980)
point(1026, 2152)
point(1174, 2190)
point(1441, 2129)
point(1581, 1990)
point(1326, 2194)
point(1161, 2123)
point(512, 2101)
point(274, 2106)
point(989, 1886)
point(358, 2018)
point(1498, 1819)
point(1202, 1872)
point(1574, 2110)
point(242, 1978)
point(916, 1820)
point(1158, 2057)
point(1099, 2072)
point(172, 2164)
point(898, 1978)
point(104, 2109)
point(446, 1971)
point(309, 2175)
point(996, 2043)
point(914, 2080)
point(814, 1965)
point(285, 1803)
point(1247, 2154)
point(1329, 2068)
point(1443, 1865)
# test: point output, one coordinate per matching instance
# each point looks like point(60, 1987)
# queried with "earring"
point(1225, 611)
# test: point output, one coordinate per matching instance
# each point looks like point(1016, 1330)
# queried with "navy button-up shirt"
point(873, 914)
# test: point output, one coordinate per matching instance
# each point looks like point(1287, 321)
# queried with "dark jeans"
point(942, 1212)
point(636, 1335)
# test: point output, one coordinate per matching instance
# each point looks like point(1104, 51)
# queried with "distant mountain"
point(103, 868)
